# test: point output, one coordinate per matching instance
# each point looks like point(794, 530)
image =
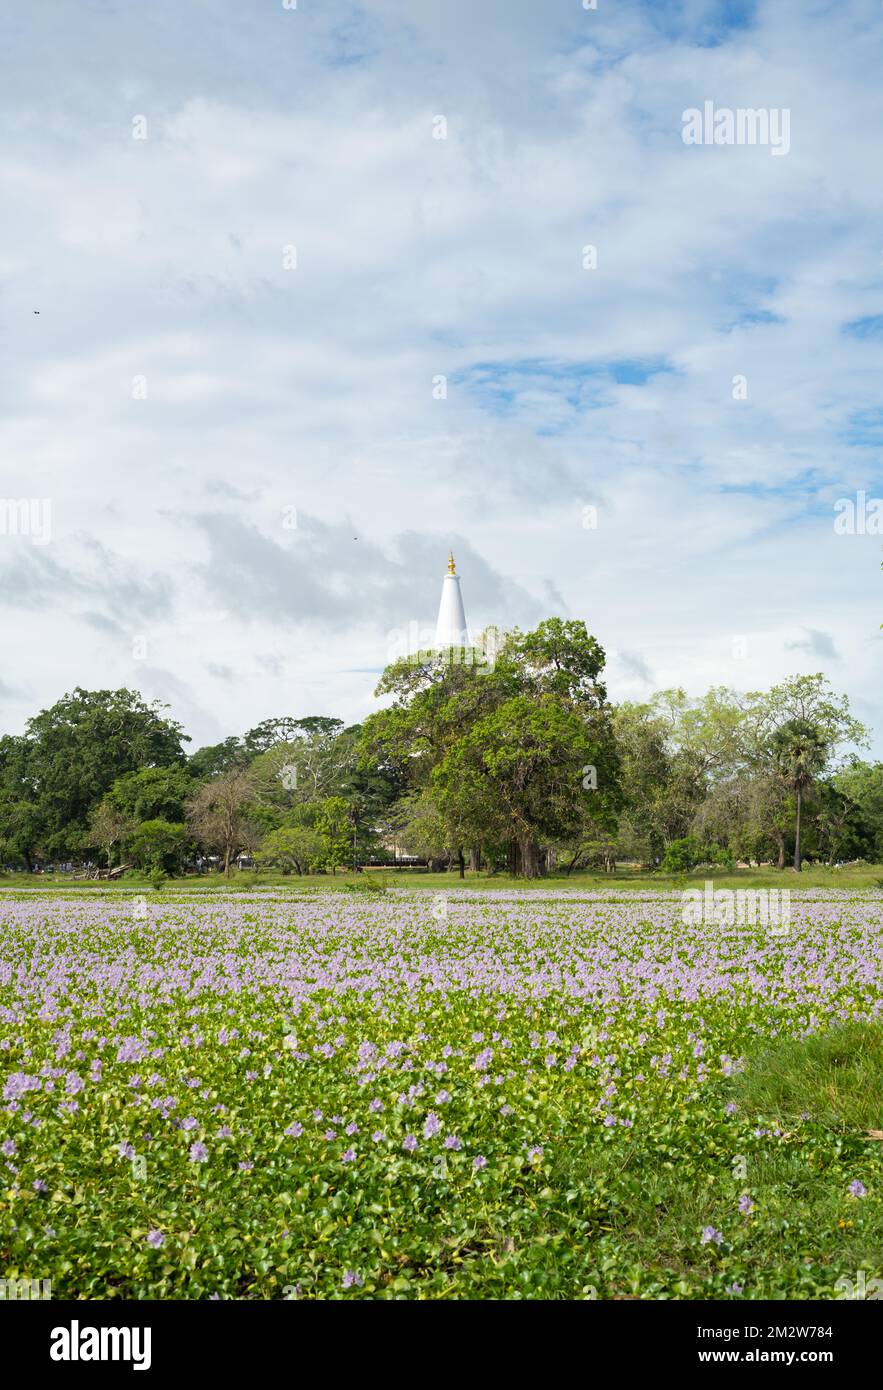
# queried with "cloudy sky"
point(293, 300)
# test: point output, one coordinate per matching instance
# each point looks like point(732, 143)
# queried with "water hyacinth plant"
point(235, 1096)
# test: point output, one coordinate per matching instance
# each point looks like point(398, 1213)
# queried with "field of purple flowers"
point(478, 1096)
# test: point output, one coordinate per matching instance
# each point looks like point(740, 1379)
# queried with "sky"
point(296, 298)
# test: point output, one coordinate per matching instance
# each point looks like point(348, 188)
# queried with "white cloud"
point(311, 388)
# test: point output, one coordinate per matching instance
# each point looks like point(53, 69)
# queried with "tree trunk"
point(780, 841)
point(797, 835)
point(227, 862)
point(528, 863)
point(461, 863)
point(475, 860)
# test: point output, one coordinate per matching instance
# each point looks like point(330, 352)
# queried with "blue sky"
point(182, 396)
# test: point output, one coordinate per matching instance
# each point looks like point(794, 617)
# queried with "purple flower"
point(479, 1162)
point(155, 1238)
point(190, 1123)
point(38, 1185)
point(410, 1143)
point(377, 1136)
point(18, 1083)
point(536, 1152)
point(709, 1235)
point(431, 1125)
point(198, 1153)
point(349, 1156)
point(350, 1278)
point(857, 1188)
point(745, 1204)
point(295, 1131)
point(126, 1150)
point(453, 1142)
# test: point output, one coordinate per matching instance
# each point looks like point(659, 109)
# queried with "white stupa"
point(451, 629)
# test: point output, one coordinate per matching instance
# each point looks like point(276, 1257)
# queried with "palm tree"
point(801, 753)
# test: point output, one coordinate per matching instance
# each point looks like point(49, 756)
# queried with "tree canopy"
point(510, 759)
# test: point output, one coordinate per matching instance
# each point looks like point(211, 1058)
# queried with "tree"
point(153, 793)
point(682, 855)
point(108, 827)
point(293, 847)
point(312, 764)
point(807, 699)
point(218, 815)
point(504, 747)
point(334, 828)
point(160, 846)
point(288, 730)
point(795, 732)
point(749, 815)
point(21, 825)
point(517, 777)
point(420, 827)
point(837, 825)
point(646, 823)
point(800, 751)
point(216, 758)
point(862, 784)
point(81, 745)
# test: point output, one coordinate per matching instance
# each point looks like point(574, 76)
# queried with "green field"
point(848, 878)
point(368, 1095)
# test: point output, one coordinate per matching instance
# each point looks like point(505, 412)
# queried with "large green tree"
point(74, 751)
point(518, 751)
point(153, 793)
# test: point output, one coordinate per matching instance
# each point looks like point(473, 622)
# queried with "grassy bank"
point(864, 876)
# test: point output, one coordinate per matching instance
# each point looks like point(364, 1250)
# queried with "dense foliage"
point(508, 758)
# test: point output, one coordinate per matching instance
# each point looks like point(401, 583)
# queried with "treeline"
point(512, 762)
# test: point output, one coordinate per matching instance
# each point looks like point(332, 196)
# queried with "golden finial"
point(451, 569)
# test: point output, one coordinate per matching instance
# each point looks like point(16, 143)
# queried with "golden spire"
point(451, 569)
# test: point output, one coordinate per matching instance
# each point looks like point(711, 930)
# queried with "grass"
point(835, 1078)
point(830, 1089)
point(862, 876)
